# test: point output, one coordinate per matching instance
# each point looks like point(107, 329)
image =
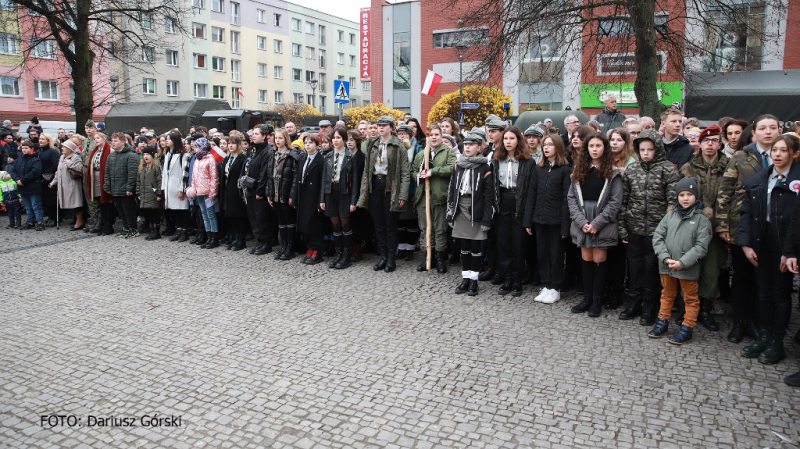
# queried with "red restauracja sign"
point(365, 75)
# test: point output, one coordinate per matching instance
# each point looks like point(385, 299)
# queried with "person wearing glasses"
point(571, 123)
point(634, 128)
point(708, 167)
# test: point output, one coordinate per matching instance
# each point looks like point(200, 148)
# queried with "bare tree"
point(89, 33)
point(665, 37)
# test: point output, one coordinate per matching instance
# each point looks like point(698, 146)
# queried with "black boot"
point(598, 289)
point(582, 306)
point(336, 258)
point(507, 286)
point(382, 262)
point(441, 262)
point(633, 310)
point(488, 274)
point(588, 282)
point(736, 334)
point(463, 286)
point(153, 233)
point(344, 262)
point(595, 308)
point(253, 249)
point(175, 236)
point(288, 253)
point(183, 236)
point(614, 299)
point(282, 248)
point(516, 290)
point(213, 242)
point(199, 238)
point(473, 288)
point(706, 318)
point(649, 311)
point(497, 279)
point(423, 266)
point(390, 260)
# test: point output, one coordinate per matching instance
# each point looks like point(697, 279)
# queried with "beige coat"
point(70, 191)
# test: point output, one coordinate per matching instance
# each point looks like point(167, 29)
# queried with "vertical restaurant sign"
point(364, 33)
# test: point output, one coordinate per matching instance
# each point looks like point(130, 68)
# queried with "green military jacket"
point(444, 161)
point(709, 177)
point(397, 180)
point(744, 164)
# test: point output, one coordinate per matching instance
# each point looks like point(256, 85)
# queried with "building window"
point(9, 87)
point(46, 90)
point(322, 59)
point(149, 86)
point(218, 92)
point(198, 30)
point(235, 42)
point(260, 15)
point(734, 47)
point(401, 61)
point(262, 96)
point(235, 13)
point(236, 73)
point(297, 75)
point(323, 83)
point(614, 27)
point(339, 36)
point(295, 24)
point(262, 69)
point(309, 27)
point(469, 38)
point(278, 96)
point(148, 54)
point(340, 58)
point(199, 61)
point(217, 34)
point(352, 60)
point(366, 85)
point(364, 102)
point(278, 72)
point(8, 44)
point(322, 34)
point(310, 75)
point(322, 103)
point(237, 99)
point(296, 48)
point(276, 19)
point(352, 38)
point(218, 5)
point(277, 46)
point(169, 25)
point(147, 21)
point(352, 83)
point(261, 42)
point(172, 88)
point(201, 90)
point(217, 64)
point(298, 98)
point(43, 48)
point(198, 4)
point(309, 52)
point(171, 57)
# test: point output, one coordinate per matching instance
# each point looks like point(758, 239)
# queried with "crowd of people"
point(669, 218)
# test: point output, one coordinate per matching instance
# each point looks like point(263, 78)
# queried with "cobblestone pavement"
point(252, 352)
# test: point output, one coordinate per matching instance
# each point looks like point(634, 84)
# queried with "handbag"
point(75, 174)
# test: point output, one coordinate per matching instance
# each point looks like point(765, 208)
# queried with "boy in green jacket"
point(680, 243)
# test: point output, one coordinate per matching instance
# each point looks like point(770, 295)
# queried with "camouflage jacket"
point(709, 177)
point(648, 189)
point(744, 164)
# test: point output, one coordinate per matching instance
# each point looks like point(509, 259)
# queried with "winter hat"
point(712, 130)
point(7, 123)
point(324, 123)
point(71, 145)
point(141, 139)
point(407, 129)
point(35, 120)
point(386, 120)
point(201, 144)
point(451, 139)
point(299, 144)
point(689, 184)
point(150, 150)
point(90, 124)
point(101, 126)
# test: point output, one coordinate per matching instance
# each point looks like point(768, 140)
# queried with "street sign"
point(506, 106)
point(470, 105)
point(342, 89)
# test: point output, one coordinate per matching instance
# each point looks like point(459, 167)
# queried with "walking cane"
point(428, 206)
point(58, 207)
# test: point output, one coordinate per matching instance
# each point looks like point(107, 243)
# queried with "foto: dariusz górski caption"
point(148, 420)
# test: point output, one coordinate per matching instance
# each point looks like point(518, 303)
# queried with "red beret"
point(712, 130)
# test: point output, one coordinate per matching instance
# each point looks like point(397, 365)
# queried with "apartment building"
point(251, 53)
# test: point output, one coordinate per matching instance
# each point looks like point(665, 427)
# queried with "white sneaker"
point(553, 296)
point(542, 294)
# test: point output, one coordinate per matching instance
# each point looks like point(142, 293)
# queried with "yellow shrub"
point(295, 112)
point(490, 99)
point(372, 111)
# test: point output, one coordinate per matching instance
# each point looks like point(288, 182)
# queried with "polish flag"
point(431, 83)
point(218, 154)
point(241, 94)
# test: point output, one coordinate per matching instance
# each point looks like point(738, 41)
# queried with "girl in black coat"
point(284, 175)
point(767, 208)
point(548, 212)
point(49, 156)
point(310, 220)
point(359, 220)
point(340, 196)
point(232, 203)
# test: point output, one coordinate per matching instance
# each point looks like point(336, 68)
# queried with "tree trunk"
point(82, 68)
point(642, 13)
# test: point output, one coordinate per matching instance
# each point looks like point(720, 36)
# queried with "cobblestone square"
point(252, 352)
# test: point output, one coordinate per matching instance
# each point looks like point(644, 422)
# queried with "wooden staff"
point(428, 205)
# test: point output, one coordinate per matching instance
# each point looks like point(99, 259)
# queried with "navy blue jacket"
point(753, 223)
point(28, 169)
point(547, 198)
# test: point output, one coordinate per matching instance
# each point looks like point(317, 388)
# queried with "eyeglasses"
point(548, 144)
point(576, 122)
point(692, 136)
point(709, 139)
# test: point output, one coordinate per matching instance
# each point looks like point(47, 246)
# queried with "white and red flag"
point(431, 83)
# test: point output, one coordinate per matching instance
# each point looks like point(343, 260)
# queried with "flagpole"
point(428, 206)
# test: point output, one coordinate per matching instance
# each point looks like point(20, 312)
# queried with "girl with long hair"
point(174, 180)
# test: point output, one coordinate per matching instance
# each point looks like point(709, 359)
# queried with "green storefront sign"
point(593, 95)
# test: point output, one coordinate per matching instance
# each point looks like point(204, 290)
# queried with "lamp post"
point(460, 47)
point(313, 83)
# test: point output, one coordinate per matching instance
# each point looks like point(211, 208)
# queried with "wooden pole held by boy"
point(428, 256)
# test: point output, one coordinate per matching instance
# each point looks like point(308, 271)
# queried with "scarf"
point(469, 163)
point(685, 211)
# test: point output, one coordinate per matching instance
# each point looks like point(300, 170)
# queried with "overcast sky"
point(346, 9)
